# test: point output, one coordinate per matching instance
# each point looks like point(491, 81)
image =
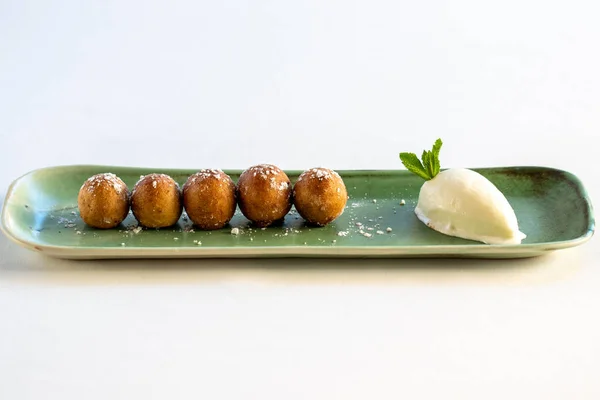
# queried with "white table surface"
point(299, 83)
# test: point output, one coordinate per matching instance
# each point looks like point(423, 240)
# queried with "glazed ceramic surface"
point(552, 207)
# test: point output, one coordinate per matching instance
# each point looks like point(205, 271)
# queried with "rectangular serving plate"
point(553, 209)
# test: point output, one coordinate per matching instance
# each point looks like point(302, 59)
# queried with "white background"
point(299, 83)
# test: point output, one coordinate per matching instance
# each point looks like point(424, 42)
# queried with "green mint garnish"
point(430, 166)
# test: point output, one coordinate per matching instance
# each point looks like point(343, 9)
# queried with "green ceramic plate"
point(553, 209)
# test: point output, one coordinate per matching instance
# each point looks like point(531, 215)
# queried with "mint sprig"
point(430, 165)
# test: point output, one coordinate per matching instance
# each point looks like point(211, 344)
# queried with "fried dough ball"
point(320, 196)
point(103, 201)
point(264, 194)
point(209, 198)
point(156, 201)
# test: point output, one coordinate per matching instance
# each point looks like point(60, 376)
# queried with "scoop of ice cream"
point(463, 203)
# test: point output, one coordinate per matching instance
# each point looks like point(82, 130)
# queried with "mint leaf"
point(413, 164)
point(430, 165)
point(427, 163)
point(436, 156)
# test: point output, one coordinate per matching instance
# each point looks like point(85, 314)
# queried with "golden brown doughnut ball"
point(264, 194)
point(320, 196)
point(103, 201)
point(156, 201)
point(209, 198)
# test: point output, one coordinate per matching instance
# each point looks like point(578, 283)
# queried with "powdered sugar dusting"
point(93, 182)
point(283, 185)
point(156, 179)
point(209, 173)
point(263, 170)
point(269, 173)
point(319, 173)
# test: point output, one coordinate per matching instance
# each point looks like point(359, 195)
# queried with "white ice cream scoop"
point(463, 203)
